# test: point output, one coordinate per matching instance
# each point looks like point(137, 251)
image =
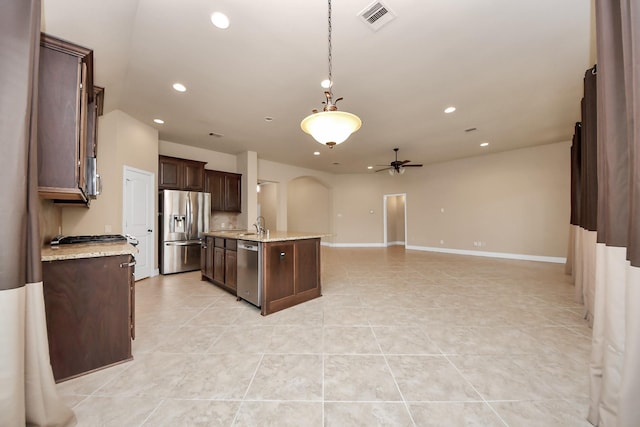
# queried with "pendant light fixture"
point(330, 126)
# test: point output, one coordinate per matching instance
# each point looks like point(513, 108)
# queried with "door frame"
point(153, 270)
point(384, 217)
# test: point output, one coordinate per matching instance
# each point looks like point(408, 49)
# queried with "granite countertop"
point(86, 250)
point(271, 236)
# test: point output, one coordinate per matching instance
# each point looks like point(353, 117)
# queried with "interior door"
point(138, 212)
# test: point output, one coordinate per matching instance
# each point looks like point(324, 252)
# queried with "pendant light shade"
point(330, 126)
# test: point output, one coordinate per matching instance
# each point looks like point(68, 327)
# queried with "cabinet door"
point(193, 173)
point(279, 270)
point(230, 268)
point(209, 258)
point(88, 306)
point(214, 185)
point(206, 258)
point(132, 298)
point(169, 173)
point(232, 193)
point(60, 122)
point(218, 265)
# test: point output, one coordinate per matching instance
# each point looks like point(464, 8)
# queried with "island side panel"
point(307, 268)
point(291, 273)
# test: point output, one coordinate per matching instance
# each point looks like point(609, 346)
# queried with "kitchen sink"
point(247, 234)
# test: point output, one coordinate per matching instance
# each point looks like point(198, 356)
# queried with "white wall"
point(308, 206)
point(514, 202)
point(122, 140)
point(268, 202)
point(282, 174)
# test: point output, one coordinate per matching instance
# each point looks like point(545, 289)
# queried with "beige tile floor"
point(399, 338)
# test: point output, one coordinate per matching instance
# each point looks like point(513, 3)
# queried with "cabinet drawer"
point(231, 244)
point(219, 242)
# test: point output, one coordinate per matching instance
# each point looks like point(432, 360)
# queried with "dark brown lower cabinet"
point(206, 258)
point(230, 269)
point(218, 265)
point(90, 305)
point(291, 273)
point(219, 262)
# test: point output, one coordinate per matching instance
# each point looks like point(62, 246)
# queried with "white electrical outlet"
point(442, 242)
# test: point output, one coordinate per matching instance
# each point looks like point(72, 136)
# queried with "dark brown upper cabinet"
point(180, 174)
point(224, 188)
point(68, 106)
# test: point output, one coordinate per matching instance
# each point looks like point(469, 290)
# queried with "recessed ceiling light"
point(316, 153)
point(158, 121)
point(326, 83)
point(268, 119)
point(484, 144)
point(335, 163)
point(449, 110)
point(179, 87)
point(369, 167)
point(220, 20)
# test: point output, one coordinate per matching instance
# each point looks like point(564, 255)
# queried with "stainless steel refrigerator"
point(184, 217)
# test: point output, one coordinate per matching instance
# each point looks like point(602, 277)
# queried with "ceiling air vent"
point(376, 15)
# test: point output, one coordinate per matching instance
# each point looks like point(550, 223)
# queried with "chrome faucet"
point(259, 225)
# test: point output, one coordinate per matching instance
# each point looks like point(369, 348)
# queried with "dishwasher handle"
point(248, 247)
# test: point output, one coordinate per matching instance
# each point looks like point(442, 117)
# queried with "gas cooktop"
point(100, 238)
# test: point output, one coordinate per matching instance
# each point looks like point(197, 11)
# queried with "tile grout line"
point(484, 400)
point(384, 356)
point(153, 411)
point(242, 400)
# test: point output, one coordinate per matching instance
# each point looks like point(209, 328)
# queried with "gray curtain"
point(615, 366)
point(28, 394)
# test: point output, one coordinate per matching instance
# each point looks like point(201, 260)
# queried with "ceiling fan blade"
point(385, 169)
point(414, 166)
point(403, 162)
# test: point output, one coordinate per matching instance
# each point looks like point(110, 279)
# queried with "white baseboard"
point(357, 245)
point(556, 260)
point(504, 255)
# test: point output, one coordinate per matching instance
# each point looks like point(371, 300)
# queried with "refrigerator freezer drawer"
point(180, 256)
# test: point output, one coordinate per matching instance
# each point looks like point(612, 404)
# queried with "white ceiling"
point(513, 69)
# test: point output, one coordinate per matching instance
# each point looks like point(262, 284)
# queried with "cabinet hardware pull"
point(127, 264)
point(98, 184)
point(282, 254)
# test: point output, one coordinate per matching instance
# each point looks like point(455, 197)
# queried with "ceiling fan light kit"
point(396, 167)
point(330, 126)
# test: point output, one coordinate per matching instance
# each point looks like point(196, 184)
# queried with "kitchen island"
point(288, 266)
point(89, 300)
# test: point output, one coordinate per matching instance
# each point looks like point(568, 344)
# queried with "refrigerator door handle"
point(184, 243)
point(189, 219)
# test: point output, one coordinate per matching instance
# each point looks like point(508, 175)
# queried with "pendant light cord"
point(330, 68)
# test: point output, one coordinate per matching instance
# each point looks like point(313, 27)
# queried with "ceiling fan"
point(397, 166)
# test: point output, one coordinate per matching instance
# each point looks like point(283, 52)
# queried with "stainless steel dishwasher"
point(250, 272)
